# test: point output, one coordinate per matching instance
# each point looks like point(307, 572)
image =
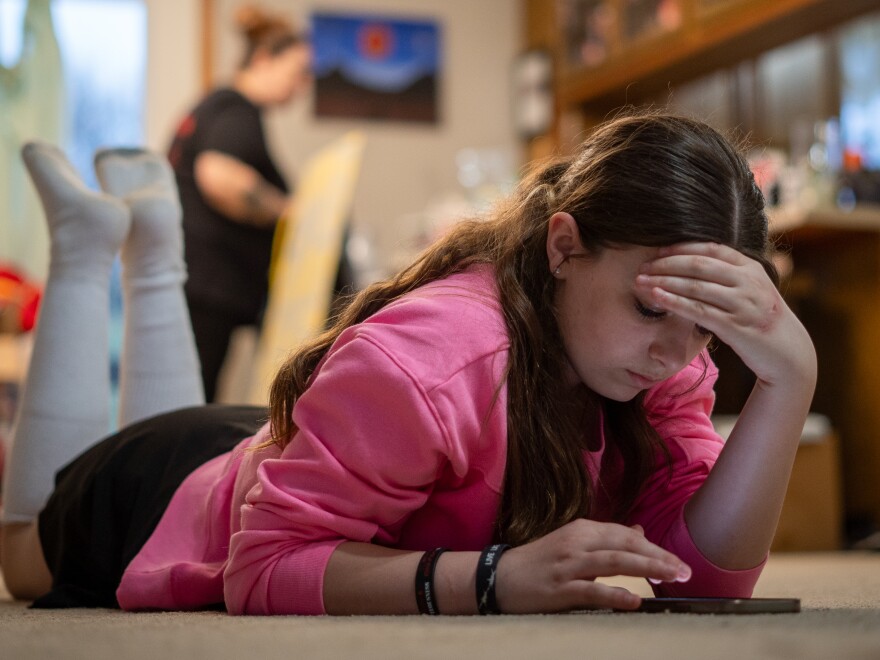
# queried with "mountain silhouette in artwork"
point(337, 96)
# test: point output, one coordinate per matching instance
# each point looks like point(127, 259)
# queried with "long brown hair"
point(646, 179)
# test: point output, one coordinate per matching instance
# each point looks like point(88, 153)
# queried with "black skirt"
point(108, 501)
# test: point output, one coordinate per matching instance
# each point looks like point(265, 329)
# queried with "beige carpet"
point(840, 595)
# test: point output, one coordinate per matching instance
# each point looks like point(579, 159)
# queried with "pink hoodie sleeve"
point(680, 409)
point(368, 450)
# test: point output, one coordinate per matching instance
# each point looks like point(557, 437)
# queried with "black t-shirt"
point(228, 261)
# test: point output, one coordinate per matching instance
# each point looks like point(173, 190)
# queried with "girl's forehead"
point(629, 255)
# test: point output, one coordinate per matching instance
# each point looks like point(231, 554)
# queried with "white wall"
point(406, 166)
point(173, 66)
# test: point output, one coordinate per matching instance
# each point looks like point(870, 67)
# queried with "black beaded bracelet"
point(486, 569)
point(425, 581)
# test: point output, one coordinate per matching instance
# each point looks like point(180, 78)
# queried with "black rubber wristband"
point(425, 581)
point(486, 569)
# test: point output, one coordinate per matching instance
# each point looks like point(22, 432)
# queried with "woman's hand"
point(557, 572)
point(731, 295)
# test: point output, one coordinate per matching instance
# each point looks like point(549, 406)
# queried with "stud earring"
point(556, 272)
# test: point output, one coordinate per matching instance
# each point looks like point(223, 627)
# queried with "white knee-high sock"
point(65, 406)
point(159, 367)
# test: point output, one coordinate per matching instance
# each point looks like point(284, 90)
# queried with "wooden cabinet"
point(610, 53)
point(836, 291)
point(834, 288)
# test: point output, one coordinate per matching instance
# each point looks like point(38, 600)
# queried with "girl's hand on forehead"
point(729, 294)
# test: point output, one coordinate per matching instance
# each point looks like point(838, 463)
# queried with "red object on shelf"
point(852, 160)
point(21, 295)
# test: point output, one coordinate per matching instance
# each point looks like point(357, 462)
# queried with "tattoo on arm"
point(252, 201)
point(258, 204)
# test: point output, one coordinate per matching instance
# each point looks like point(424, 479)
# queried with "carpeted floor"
point(840, 596)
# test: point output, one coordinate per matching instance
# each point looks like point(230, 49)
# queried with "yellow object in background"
point(306, 257)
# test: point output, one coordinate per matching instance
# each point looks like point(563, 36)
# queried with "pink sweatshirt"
point(399, 444)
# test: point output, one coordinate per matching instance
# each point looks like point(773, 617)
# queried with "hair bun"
point(253, 21)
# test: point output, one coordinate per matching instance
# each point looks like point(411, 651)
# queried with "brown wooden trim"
point(540, 24)
point(207, 43)
point(833, 73)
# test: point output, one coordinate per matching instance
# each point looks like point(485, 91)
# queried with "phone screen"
point(721, 605)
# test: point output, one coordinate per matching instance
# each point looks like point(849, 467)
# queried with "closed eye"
point(647, 312)
point(656, 315)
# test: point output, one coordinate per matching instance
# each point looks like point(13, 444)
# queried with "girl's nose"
point(673, 345)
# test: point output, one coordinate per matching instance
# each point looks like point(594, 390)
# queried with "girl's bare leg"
point(24, 569)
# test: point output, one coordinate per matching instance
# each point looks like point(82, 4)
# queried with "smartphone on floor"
point(721, 605)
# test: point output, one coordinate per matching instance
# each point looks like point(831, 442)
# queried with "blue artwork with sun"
point(375, 68)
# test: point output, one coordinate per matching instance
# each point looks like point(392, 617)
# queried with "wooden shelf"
point(820, 220)
point(643, 68)
point(836, 261)
point(705, 42)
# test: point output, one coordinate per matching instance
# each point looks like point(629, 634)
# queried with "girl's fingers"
point(594, 595)
point(696, 267)
point(709, 283)
point(608, 563)
point(701, 313)
point(571, 558)
point(712, 250)
point(625, 540)
point(706, 261)
point(717, 295)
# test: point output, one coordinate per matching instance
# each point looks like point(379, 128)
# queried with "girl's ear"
point(563, 240)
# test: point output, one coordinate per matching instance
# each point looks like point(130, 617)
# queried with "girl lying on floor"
point(520, 412)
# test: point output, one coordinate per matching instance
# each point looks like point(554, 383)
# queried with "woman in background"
point(231, 191)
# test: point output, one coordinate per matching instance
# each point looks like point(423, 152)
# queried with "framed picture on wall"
point(373, 67)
